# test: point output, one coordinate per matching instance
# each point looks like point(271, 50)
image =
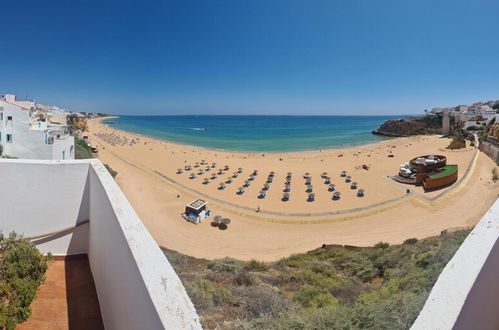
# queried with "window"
point(9, 138)
point(9, 117)
point(1, 115)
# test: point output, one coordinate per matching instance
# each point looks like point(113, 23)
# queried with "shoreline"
point(268, 236)
point(385, 138)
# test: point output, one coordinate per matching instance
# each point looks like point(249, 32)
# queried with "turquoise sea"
point(256, 133)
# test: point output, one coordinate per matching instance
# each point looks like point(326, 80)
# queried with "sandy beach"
point(147, 173)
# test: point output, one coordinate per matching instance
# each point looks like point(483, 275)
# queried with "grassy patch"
point(82, 150)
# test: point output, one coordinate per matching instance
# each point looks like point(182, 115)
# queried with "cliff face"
point(77, 123)
point(411, 126)
point(493, 132)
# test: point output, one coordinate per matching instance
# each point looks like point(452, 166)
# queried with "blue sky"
point(251, 57)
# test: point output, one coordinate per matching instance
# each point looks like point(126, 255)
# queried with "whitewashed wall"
point(39, 197)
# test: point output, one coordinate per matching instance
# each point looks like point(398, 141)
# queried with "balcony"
point(75, 210)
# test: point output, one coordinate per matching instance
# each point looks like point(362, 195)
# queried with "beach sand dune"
point(148, 176)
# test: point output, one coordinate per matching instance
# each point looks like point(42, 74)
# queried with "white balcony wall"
point(466, 293)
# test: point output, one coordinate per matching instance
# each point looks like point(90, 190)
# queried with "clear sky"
point(250, 56)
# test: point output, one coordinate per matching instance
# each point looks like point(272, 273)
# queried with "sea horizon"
point(256, 133)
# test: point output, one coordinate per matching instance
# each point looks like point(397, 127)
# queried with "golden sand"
point(148, 176)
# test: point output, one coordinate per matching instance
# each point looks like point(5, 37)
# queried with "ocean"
point(256, 133)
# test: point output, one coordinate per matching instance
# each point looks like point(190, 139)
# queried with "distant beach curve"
point(256, 133)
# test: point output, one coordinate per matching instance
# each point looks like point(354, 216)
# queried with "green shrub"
point(312, 296)
point(411, 241)
point(256, 301)
point(243, 278)
point(227, 265)
point(495, 174)
point(256, 266)
point(111, 171)
point(381, 245)
point(22, 271)
point(206, 294)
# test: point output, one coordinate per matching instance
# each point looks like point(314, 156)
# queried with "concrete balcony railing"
point(75, 207)
point(466, 293)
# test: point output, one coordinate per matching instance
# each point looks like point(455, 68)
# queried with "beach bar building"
point(430, 171)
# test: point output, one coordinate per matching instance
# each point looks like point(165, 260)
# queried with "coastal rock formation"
point(77, 123)
point(457, 143)
point(490, 140)
point(411, 126)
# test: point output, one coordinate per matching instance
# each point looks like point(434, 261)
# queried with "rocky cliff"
point(411, 126)
point(77, 123)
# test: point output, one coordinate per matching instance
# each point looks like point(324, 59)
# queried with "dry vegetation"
point(333, 287)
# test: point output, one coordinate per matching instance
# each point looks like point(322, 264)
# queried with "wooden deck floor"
point(67, 299)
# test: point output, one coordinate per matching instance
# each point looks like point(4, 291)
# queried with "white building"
point(25, 135)
point(11, 98)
